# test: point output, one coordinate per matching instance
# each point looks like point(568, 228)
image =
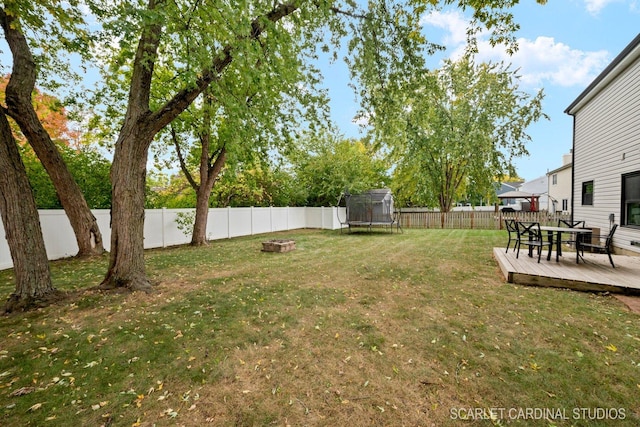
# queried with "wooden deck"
point(595, 274)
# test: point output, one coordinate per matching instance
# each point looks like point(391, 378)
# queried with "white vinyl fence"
point(161, 228)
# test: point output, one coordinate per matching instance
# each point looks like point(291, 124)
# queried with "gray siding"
point(606, 146)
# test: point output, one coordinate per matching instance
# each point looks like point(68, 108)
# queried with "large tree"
point(246, 120)
point(21, 108)
point(464, 125)
point(212, 159)
point(200, 39)
point(22, 227)
point(159, 25)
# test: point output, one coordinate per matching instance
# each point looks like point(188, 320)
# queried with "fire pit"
point(278, 245)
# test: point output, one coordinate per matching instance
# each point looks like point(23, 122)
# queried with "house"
point(538, 187)
point(559, 186)
point(506, 187)
point(606, 150)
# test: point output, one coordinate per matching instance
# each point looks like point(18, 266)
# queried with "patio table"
point(559, 231)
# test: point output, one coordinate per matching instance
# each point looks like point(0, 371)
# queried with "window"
point(587, 193)
point(565, 204)
point(631, 199)
point(554, 179)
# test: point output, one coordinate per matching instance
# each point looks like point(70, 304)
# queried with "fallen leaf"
point(22, 391)
point(612, 347)
point(35, 407)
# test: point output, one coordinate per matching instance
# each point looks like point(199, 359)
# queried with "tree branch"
point(183, 165)
point(176, 105)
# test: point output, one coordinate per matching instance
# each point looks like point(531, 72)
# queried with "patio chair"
point(510, 225)
point(606, 247)
point(529, 234)
point(571, 224)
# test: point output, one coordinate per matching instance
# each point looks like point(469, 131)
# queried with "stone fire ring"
point(278, 245)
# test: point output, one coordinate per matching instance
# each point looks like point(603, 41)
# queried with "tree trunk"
point(22, 227)
point(20, 107)
point(128, 177)
point(199, 236)
point(211, 173)
point(128, 172)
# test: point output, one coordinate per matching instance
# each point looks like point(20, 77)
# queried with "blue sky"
point(563, 46)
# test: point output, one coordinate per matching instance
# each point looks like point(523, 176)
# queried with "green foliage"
point(326, 167)
point(185, 222)
point(55, 31)
point(256, 184)
point(463, 126)
point(243, 184)
point(89, 168)
point(171, 192)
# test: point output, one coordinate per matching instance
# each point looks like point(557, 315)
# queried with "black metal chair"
point(529, 234)
point(606, 247)
point(510, 225)
point(571, 224)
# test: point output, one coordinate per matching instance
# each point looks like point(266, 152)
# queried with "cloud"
point(544, 60)
point(595, 6)
point(541, 61)
point(452, 22)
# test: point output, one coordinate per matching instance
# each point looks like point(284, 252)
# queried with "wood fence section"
point(476, 220)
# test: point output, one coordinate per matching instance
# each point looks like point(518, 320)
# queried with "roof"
point(561, 168)
point(517, 195)
point(508, 186)
point(618, 65)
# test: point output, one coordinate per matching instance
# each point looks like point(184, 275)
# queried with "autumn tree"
point(14, 18)
point(464, 125)
point(88, 167)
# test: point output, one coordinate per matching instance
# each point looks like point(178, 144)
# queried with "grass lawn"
point(413, 329)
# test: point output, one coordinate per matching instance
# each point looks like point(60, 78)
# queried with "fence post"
point(228, 222)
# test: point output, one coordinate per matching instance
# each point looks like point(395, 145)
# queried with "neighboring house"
point(606, 150)
point(539, 187)
point(505, 187)
point(560, 186)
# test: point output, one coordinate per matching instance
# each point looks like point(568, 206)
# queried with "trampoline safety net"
point(371, 208)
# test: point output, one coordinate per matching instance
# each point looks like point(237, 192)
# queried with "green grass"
point(363, 329)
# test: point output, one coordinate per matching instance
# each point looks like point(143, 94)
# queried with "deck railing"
point(473, 219)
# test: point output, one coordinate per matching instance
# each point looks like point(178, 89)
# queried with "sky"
point(563, 46)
